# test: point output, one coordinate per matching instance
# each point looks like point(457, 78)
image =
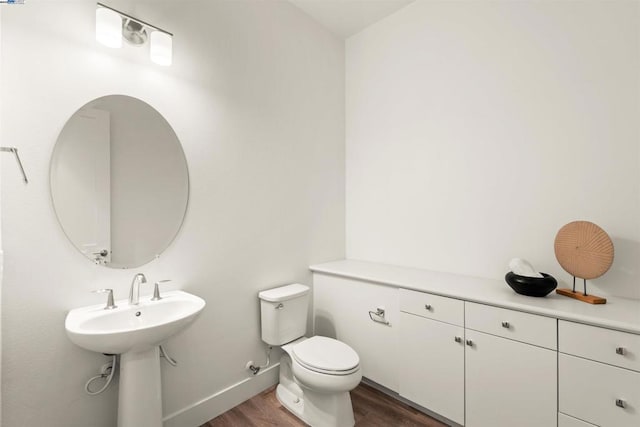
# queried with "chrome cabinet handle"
point(620, 351)
point(506, 325)
point(378, 316)
point(110, 304)
point(427, 306)
point(457, 339)
point(469, 343)
point(621, 403)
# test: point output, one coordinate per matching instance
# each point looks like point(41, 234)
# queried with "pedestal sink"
point(135, 332)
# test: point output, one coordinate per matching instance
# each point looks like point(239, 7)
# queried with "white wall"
point(256, 96)
point(475, 130)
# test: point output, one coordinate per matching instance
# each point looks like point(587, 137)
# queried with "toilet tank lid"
point(283, 293)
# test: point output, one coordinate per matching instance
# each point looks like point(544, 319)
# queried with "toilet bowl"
point(321, 363)
point(316, 373)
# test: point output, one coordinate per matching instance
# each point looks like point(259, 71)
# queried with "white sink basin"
point(132, 327)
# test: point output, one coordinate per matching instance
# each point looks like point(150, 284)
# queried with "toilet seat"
point(326, 356)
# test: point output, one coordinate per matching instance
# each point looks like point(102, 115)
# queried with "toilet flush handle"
point(279, 306)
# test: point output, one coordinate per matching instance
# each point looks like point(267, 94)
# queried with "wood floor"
point(371, 408)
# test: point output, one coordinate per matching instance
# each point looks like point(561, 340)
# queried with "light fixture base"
point(134, 32)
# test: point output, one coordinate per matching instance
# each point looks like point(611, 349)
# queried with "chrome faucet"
point(134, 292)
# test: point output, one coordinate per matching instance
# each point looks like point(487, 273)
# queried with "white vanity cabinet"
point(341, 310)
point(509, 381)
point(599, 377)
point(504, 360)
point(475, 364)
point(431, 356)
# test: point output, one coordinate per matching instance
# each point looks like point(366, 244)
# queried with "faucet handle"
point(110, 304)
point(156, 289)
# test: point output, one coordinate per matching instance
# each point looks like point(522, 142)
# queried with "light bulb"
point(160, 49)
point(108, 27)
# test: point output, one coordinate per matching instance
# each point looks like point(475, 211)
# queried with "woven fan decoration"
point(584, 250)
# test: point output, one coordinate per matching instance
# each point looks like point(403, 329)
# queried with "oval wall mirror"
point(119, 181)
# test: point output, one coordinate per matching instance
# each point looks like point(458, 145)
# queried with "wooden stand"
point(591, 299)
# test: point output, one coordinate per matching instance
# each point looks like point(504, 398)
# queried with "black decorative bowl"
point(531, 286)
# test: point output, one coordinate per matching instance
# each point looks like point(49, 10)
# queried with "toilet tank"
point(283, 313)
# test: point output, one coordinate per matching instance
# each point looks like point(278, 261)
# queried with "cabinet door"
point(341, 311)
point(432, 365)
point(509, 383)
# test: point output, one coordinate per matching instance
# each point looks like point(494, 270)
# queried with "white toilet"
point(317, 373)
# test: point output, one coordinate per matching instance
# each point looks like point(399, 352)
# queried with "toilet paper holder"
point(378, 316)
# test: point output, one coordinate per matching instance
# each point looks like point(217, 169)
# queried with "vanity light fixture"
point(160, 48)
point(108, 27)
point(112, 26)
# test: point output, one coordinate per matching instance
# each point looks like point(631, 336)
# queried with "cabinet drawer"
point(435, 307)
point(567, 421)
point(600, 344)
point(589, 390)
point(516, 325)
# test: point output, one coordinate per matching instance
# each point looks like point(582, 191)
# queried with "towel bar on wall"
point(14, 150)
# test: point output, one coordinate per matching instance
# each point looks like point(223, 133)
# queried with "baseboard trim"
point(210, 407)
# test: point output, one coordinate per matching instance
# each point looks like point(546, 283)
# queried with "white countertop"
point(618, 313)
